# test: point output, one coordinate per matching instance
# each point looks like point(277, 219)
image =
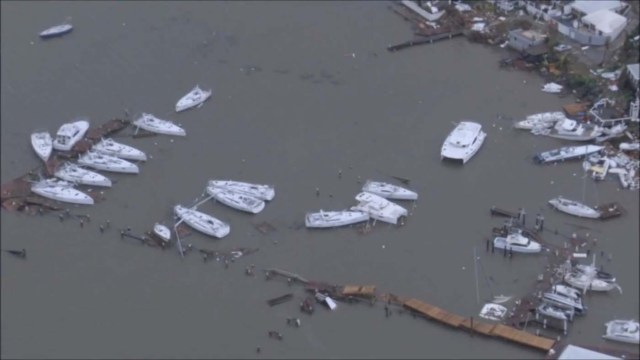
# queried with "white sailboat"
point(379, 208)
point(326, 219)
point(389, 191)
point(110, 147)
point(61, 191)
point(574, 208)
point(202, 222)
point(260, 191)
point(107, 163)
point(517, 242)
point(194, 98)
point(540, 120)
point(73, 173)
point(42, 143)
point(151, 123)
point(236, 200)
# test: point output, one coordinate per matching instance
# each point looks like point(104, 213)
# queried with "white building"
point(605, 23)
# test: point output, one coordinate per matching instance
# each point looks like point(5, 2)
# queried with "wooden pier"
point(427, 40)
point(495, 330)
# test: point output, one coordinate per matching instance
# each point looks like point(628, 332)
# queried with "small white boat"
point(540, 120)
point(592, 270)
point(262, 192)
point(42, 143)
point(552, 88)
point(557, 312)
point(110, 147)
point(107, 163)
point(632, 146)
point(379, 208)
point(236, 200)
point(202, 222)
point(568, 129)
point(589, 282)
point(600, 169)
point(57, 30)
point(73, 173)
point(69, 134)
point(463, 142)
point(195, 97)
point(61, 191)
point(565, 296)
point(627, 331)
point(566, 153)
point(517, 242)
point(574, 208)
point(153, 124)
point(389, 191)
point(492, 311)
point(162, 231)
point(326, 219)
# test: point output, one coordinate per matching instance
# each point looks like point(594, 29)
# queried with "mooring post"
point(471, 330)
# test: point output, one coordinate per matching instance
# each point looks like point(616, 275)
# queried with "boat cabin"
point(66, 133)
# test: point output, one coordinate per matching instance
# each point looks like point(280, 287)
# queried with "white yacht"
point(236, 200)
point(202, 222)
point(517, 242)
point(69, 134)
point(61, 191)
point(627, 331)
point(568, 129)
point(73, 173)
point(110, 147)
point(42, 143)
point(195, 97)
point(326, 219)
point(574, 208)
point(389, 191)
point(107, 163)
point(540, 120)
point(262, 192)
point(153, 124)
point(379, 208)
point(589, 282)
point(565, 296)
point(566, 153)
point(463, 142)
point(557, 312)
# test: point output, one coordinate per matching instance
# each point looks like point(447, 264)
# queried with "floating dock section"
point(496, 330)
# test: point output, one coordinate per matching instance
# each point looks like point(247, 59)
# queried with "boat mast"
point(475, 262)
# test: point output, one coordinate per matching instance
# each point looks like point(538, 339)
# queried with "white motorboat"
point(262, 192)
point(236, 200)
point(627, 331)
point(592, 270)
point(61, 191)
point(107, 163)
point(69, 134)
point(57, 30)
point(153, 124)
point(574, 208)
point(557, 312)
point(162, 231)
point(326, 219)
point(566, 153)
point(568, 129)
point(589, 282)
point(600, 169)
point(540, 120)
point(517, 242)
point(493, 311)
point(463, 142)
point(110, 147)
point(565, 296)
point(73, 173)
point(379, 208)
point(42, 143)
point(202, 222)
point(195, 97)
point(389, 191)
point(552, 88)
point(630, 146)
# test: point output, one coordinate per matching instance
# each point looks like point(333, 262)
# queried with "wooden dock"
point(496, 330)
point(427, 40)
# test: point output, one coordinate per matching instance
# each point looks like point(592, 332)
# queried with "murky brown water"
point(291, 107)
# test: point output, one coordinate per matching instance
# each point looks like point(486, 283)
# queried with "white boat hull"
point(540, 120)
point(379, 208)
point(389, 191)
point(151, 123)
point(566, 153)
point(122, 151)
point(463, 142)
point(107, 163)
point(62, 192)
point(262, 192)
point(42, 143)
point(194, 98)
point(574, 208)
point(75, 174)
point(626, 331)
point(162, 231)
point(502, 243)
point(202, 222)
point(328, 219)
point(55, 31)
point(69, 134)
point(237, 201)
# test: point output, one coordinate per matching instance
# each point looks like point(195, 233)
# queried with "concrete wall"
point(519, 42)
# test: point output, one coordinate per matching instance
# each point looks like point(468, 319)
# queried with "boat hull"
point(122, 151)
point(389, 191)
point(69, 134)
point(82, 176)
point(262, 192)
point(236, 201)
point(187, 101)
point(202, 222)
point(66, 194)
point(502, 243)
point(579, 210)
point(108, 163)
point(622, 331)
point(566, 153)
point(379, 208)
point(329, 219)
point(463, 142)
point(56, 31)
point(162, 232)
point(42, 143)
point(150, 123)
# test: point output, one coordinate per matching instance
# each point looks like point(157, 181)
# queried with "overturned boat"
point(326, 219)
point(56, 31)
point(110, 147)
point(262, 192)
point(202, 222)
point(389, 191)
point(162, 231)
point(236, 200)
point(379, 208)
point(61, 191)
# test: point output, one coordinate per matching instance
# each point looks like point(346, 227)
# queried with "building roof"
point(589, 6)
point(605, 20)
point(580, 353)
point(634, 70)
